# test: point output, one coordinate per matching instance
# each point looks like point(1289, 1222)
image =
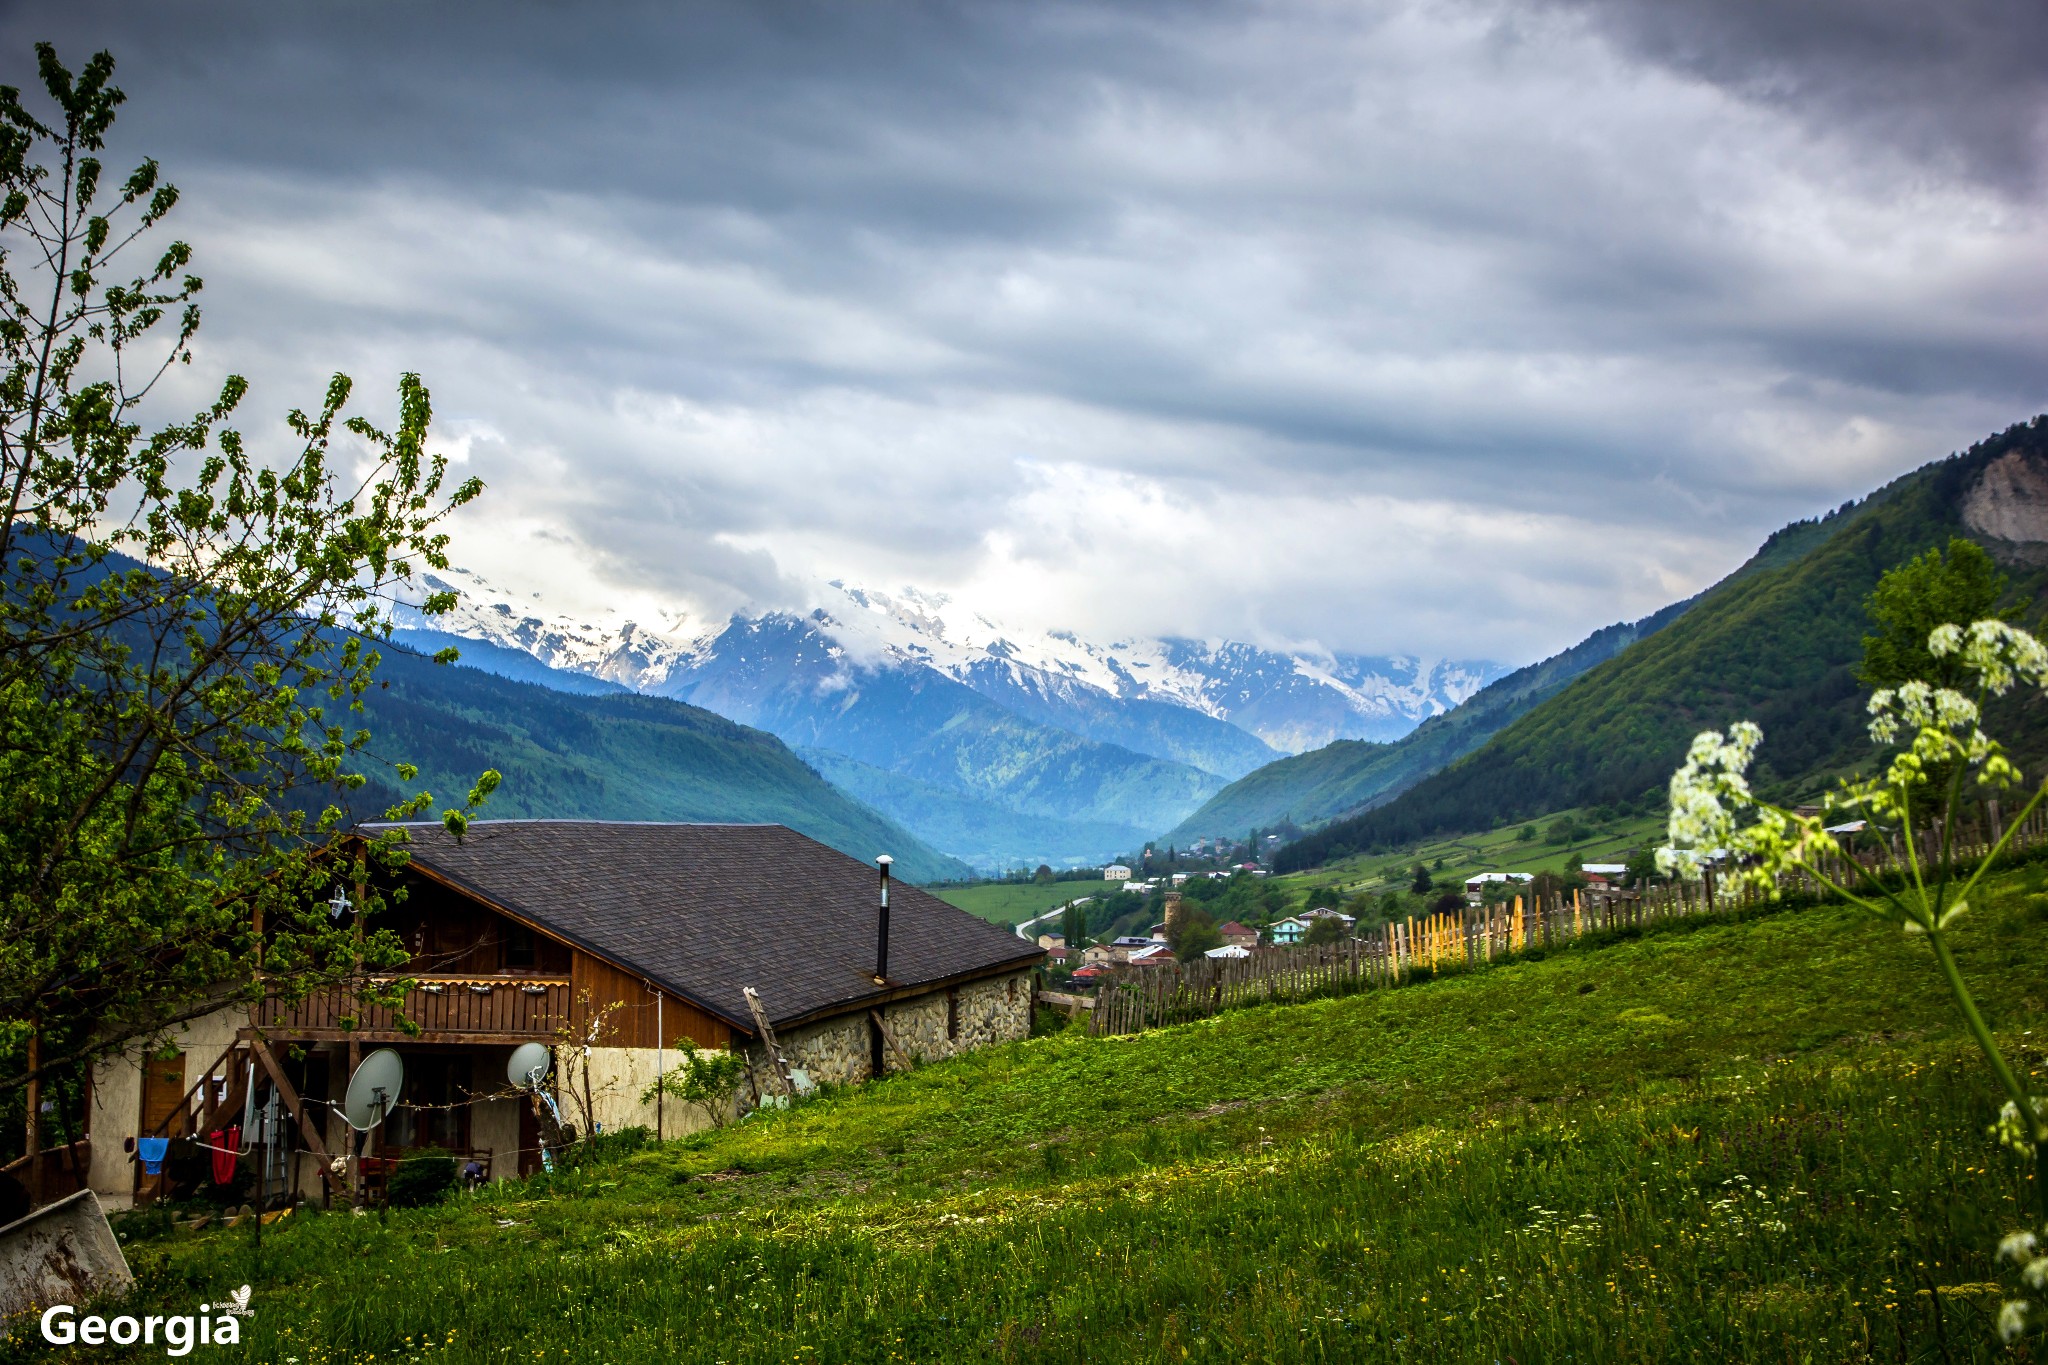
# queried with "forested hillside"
point(1777, 644)
point(613, 757)
point(1349, 774)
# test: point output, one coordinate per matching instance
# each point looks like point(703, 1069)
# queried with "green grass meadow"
point(1755, 1141)
point(1015, 902)
point(1500, 850)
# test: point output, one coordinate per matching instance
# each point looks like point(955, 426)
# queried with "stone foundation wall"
point(929, 1027)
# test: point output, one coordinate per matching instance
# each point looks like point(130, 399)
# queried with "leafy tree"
point(185, 629)
point(1194, 935)
point(1043, 876)
point(1325, 929)
point(1420, 883)
point(1642, 867)
point(1911, 600)
point(706, 1078)
point(1074, 925)
point(1527, 836)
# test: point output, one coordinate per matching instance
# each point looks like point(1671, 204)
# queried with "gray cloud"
point(1962, 84)
point(1452, 326)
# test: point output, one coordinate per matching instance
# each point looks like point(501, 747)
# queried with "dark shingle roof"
point(707, 909)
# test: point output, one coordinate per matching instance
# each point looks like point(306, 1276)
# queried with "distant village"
point(1229, 908)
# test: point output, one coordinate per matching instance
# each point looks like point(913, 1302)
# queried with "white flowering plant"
point(1940, 756)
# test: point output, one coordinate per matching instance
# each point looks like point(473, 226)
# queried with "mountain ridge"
point(1778, 645)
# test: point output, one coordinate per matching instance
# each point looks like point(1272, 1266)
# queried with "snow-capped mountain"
point(1289, 701)
point(997, 745)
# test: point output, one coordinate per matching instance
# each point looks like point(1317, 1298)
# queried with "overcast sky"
point(1451, 328)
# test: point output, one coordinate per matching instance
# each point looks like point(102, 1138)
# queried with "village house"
point(1237, 935)
point(1158, 955)
point(1228, 950)
point(1603, 876)
point(1288, 931)
point(1052, 941)
point(1130, 943)
point(1475, 887)
point(1116, 872)
point(1099, 955)
point(611, 943)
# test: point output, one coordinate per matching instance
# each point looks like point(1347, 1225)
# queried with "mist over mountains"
point(997, 745)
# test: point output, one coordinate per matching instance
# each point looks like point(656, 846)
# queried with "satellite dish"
point(373, 1090)
point(530, 1063)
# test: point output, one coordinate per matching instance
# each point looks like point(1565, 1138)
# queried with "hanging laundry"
point(225, 1149)
point(151, 1151)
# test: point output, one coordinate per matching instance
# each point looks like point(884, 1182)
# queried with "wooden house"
point(612, 943)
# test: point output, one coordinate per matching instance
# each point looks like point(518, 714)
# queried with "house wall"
point(595, 983)
point(836, 1051)
point(618, 1076)
point(115, 1116)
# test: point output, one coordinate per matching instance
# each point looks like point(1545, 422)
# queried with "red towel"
point(224, 1160)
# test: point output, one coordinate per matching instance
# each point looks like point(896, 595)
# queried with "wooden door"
point(163, 1094)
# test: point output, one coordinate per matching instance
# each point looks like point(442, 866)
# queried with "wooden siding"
point(448, 934)
point(506, 1007)
point(595, 983)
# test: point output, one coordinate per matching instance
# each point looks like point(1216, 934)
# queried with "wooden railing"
point(460, 1007)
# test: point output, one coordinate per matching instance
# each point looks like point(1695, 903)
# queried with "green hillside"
point(1311, 788)
point(619, 756)
point(1351, 775)
point(1760, 1141)
point(1777, 645)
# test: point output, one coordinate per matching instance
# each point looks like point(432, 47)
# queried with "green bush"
point(420, 1179)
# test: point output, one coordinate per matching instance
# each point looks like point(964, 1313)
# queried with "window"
point(438, 1083)
point(952, 1013)
point(520, 950)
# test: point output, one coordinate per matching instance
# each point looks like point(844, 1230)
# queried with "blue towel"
point(152, 1150)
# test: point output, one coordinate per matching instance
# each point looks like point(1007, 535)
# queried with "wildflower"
point(2012, 1319)
point(1997, 653)
point(2017, 1246)
point(2012, 1132)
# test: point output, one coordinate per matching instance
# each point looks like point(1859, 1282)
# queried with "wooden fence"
point(1147, 996)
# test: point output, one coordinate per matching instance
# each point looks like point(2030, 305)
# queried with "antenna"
point(373, 1090)
point(527, 1068)
point(530, 1065)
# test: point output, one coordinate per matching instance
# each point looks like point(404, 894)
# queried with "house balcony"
point(448, 1009)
